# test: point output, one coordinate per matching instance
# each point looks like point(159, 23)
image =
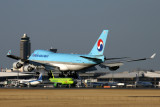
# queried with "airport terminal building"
point(131, 77)
point(122, 77)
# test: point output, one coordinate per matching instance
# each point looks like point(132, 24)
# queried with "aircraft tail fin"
point(99, 46)
point(40, 77)
point(52, 76)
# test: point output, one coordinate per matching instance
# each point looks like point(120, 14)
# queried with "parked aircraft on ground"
point(61, 81)
point(143, 84)
point(31, 82)
point(71, 63)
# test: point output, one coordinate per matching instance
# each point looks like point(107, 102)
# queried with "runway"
point(79, 97)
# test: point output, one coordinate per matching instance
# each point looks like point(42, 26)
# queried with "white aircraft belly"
point(62, 67)
point(72, 67)
point(76, 67)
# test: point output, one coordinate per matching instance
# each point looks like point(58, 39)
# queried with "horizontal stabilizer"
point(91, 58)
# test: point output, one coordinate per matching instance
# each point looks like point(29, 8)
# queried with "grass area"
point(79, 98)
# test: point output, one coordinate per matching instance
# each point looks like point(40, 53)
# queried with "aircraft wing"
point(115, 58)
point(100, 58)
point(35, 63)
point(12, 56)
point(120, 63)
point(46, 66)
point(132, 60)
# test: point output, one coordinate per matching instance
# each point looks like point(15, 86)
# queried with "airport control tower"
point(25, 47)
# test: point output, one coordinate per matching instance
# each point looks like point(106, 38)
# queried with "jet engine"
point(114, 68)
point(17, 65)
point(28, 68)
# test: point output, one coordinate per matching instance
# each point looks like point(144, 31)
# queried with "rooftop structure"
point(12, 74)
point(126, 74)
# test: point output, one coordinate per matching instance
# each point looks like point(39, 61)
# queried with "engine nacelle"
point(114, 68)
point(17, 65)
point(28, 68)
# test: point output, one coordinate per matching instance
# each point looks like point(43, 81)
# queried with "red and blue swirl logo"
point(100, 45)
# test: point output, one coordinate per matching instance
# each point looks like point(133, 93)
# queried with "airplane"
point(71, 63)
point(141, 84)
point(31, 82)
point(61, 81)
point(104, 84)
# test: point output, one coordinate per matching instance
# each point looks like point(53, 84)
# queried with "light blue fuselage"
point(72, 62)
point(65, 62)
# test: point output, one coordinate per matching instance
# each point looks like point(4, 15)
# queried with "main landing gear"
point(70, 74)
point(61, 75)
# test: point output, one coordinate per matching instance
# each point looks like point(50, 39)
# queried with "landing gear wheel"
point(61, 75)
point(70, 74)
point(50, 74)
point(73, 75)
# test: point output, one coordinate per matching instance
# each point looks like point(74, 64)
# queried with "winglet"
point(9, 52)
point(153, 56)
